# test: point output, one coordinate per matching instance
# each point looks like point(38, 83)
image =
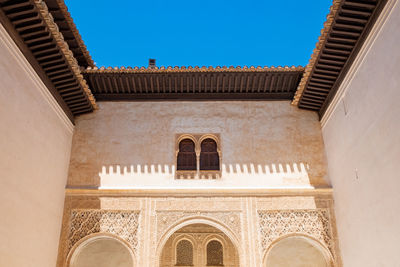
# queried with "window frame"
point(198, 174)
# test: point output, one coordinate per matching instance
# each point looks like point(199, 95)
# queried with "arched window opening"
point(186, 156)
point(209, 158)
point(184, 253)
point(215, 254)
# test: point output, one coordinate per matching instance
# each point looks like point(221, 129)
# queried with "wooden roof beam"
point(339, 46)
point(224, 78)
point(354, 35)
point(321, 95)
point(31, 42)
point(333, 56)
point(328, 67)
point(347, 27)
point(23, 17)
point(60, 76)
point(353, 4)
point(331, 62)
point(337, 51)
point(38, 25)
point(12, 6)
point(341, 40)
point(310, 103)
point(65, 82)
point(305, 106)
point(322, 76)
point(321, 81)
point(342, 18)
point(318, 86)
point(114, 83)
point(349, 11)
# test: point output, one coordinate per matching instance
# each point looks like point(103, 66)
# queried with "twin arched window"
point(209, 157)
point(184, 253)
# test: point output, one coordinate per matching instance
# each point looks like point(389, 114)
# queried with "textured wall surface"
point(35, 146)
point(362, 138)
point(263, 144)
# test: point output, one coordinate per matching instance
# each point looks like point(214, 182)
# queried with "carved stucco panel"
point(199, 204)
point(124, 224)
point(315, 223)
point(166, 219)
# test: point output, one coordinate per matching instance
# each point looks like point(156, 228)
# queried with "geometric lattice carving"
point(215, 256)
point(315, 223)
point(184, 253)
point(121, 223)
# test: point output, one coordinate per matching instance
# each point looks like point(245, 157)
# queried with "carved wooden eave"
point(33, 29)
point(194, 83)
point(345, 30)
point(67, 27)
point(321, 40)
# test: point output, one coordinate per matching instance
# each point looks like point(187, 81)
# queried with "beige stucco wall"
point(35, 141)
point(269, 144)
point(363, 150)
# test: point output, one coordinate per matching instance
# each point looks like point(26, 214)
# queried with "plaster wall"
point(361, 132)
point(269, 144)
point(35, 143)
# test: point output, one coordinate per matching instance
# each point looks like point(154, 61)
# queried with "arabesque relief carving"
point(314, 223)
point(165, 219)
point(124, 224)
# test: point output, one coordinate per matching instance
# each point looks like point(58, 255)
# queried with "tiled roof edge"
point(317, 50)
point(75, 32)
point(49, 20)
point(192, 69)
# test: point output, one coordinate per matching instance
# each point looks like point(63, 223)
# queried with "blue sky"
point(203, 33)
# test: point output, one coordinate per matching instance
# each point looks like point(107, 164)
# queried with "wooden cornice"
point(33, 29)
point(345, 30)
point(194, 83)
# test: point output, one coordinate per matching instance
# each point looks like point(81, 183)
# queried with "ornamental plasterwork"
point(165, 219)
point(124, 224)
point(314, 223)
point(216, 204)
